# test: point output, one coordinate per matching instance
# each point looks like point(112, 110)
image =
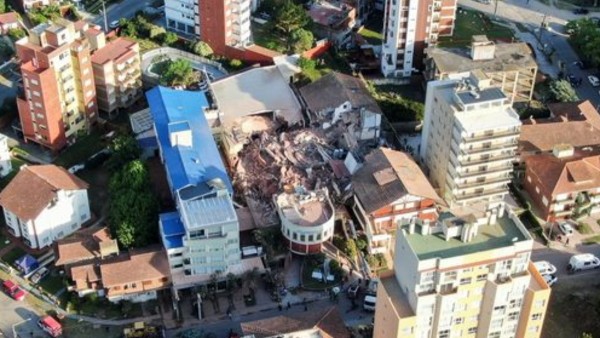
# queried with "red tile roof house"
point(8, 21)
point(565, 184)
point(44, 203)
point(135, 276)
point(388, 188)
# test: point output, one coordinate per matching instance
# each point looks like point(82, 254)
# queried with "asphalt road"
point(16, 313)
point(560, 259)
point(123, 9)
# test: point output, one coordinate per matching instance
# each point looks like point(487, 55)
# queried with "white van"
point(545, 267)
point(583, 262)
point(369, 303)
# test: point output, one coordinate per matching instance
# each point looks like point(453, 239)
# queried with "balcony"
point(485, 171)
point(491, 136)
point(502, 179)
point(464, 162)
point(480, 194)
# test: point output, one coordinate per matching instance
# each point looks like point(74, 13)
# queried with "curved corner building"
point(306, 219)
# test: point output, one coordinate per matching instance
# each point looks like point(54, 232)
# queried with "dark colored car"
point(581, 11)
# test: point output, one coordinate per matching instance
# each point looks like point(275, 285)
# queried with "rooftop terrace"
point(502, 234)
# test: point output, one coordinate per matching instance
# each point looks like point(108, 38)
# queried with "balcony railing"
point(491, 136)
point(484, 193)
point(502, 179)
point(486, 171)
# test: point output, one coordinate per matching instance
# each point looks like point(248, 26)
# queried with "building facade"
point(469, 140)
point(5, 163)
point(307, 219)
point(8, 21)
point(409, 26)
point(58, 100)
point(202, 237)
point(467, 276)
point(117, 74)
point(389, 188)
point(565, 184)
point(61, 206)
point(510, 66)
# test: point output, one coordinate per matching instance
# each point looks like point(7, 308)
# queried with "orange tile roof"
point(565, 175)
point(577, 124)
point(82, 246)
point(8, 18)
point(135, 268)
point(113, 50)
point(34, 187)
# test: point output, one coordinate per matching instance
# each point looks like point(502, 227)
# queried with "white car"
point(566, 228)
point(550, 279)
point(545, 268)
point(113, 24)
point(39, 275)
point(594, 81)
point(76, 168)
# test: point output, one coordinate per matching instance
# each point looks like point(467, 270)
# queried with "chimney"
point(563, 150)
point(482, 48)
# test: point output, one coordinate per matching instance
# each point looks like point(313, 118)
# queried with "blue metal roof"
point(147, 142)
point(171, 110)
point(172, 230)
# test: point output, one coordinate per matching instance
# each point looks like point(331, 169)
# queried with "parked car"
point(76, 168)
point(39, 275)
point(369, 303)
point(580, 64)
point(13, 290)
point(594, 81)
point(566, 228)
point(114, 24)
point(353, 290)
point(550, 279)
point(583, 262)
point(545, 268)
point(581, 11)
point(51, 326)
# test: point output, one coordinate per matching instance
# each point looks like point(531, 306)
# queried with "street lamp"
point(104, 14)
point(14, 327)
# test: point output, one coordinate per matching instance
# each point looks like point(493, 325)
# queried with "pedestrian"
point(280, 307)
point(289, 305)
point(305, 308)
point(567, 241)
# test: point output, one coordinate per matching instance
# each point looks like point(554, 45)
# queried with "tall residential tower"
point(409, 27)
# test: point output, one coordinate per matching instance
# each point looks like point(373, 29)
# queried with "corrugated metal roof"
point(186, 165)
point(172, 230)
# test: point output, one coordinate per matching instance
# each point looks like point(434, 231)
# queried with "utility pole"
point(542, 26)
point(105, 19)
point(496, 8)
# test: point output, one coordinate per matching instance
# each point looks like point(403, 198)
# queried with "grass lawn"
point(85, 147)
point(469, 23)
point(328, 62)
point(265, 35)
point(371, 31)
point(400, 103)
point(13, 255)
point(374, 37)
point(52, 283)
point(585, 229)
point(16, 164)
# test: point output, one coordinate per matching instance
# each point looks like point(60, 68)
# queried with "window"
point(303, 238)
point(311, 238)
point(481, 277)
point(459, 320)
point(495, 335)
point(536, 316)
point(294, 236)
point(465, 281)
point(450, 276)
point(472, 330)
point(444, 334)
point(513, 315)
point(539, 303)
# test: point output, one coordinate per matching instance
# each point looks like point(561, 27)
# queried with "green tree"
point(155, 32)
point(168, 38)
point(290, 17)
point(6, 49)
point(350, 249)
point(178, 73)
point(302, 40)
point(2, 6)
point(124, 149)
point(235, 64)
point(202, 48)
point(133, 208)
point(16, 33)
point(128, 28)
point(361, 243)
point(562, 91)
point(307, 64)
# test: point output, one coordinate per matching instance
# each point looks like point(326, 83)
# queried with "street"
point(123, 9)
point(560, 259)
point(531, 14)
point(15, 314)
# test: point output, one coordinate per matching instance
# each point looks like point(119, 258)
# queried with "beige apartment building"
point(467, 275)
point(59, 98)
point(469, 140)
point(117, 74)
point(510, 66)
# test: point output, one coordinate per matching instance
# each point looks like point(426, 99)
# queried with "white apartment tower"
point(409, 27)
point(469, 139)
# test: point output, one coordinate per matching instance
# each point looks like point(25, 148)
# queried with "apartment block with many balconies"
point(469, 140)
point(409, 27)
point(58, 100)
point(117, 74)
point(467, 275)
